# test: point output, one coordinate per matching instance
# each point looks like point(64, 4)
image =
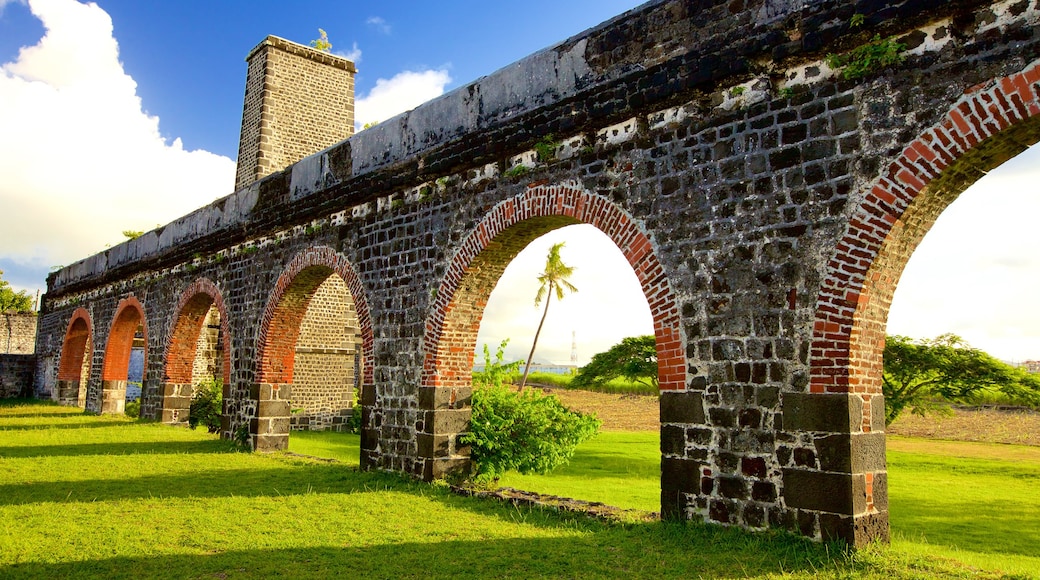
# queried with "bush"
point(529, 432)
point(206, 405)
point(354, 424)
point(133, 409)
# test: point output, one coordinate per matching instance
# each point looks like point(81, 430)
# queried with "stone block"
point(433, 445)
point(448, 421)
point(440, 468)
point(273, 408)
point(682, 407)
point(272, 442)
point(673, 440)
point(680, 475)
point(826, 412)
point(839, 493)
point(857, 531)
point(436, 398)
point(858, 453)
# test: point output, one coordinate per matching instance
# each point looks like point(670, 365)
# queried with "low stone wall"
point(16, 375)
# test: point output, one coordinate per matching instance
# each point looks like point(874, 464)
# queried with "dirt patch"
point(983, 425)
point(618, 412)
point(642, 413)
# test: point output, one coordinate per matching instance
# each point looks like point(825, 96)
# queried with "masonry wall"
point(17, 361)
point(298, 101)
point(324, 378)
point(751, 201)
point(17, 333)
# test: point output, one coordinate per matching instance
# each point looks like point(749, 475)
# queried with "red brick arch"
point(280, 324)
point(182, 342)
point(129, 315)
point(988, 125)
point(451, 331)
point(78, 338)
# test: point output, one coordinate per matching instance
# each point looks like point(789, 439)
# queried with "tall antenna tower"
point(574, 347)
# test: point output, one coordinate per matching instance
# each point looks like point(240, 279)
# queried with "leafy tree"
point(554, 278)
point(11, 301)
point(918, 373)
point(528, 432)
point(634, 358)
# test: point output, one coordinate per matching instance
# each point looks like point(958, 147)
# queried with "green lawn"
point(86, 496)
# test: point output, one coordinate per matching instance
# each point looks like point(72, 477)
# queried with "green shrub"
point(528, 432)
point(206, 405)
point(354, 424)
point(133, 409)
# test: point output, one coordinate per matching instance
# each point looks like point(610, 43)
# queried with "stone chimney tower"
point(298, 101)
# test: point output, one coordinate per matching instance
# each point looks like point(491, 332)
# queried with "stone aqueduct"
point(766, 204)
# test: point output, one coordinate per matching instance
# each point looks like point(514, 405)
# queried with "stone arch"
point(280, 329)
point(458, 306)
point(988, 125)
point(74, 364)
point(194, 306)
point(129, 318)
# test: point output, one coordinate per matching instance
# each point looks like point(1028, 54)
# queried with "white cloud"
point(80, 160)
point(354, 55)
point(977, 271)
point(608, 306)
point(379, 24)
point(404, 91)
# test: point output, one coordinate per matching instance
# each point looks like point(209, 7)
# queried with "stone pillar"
point(681, 412)
point(298, 101)
point(842, 486)
point(270, 428)
point(445, 412)
point(68, 393)
point(113, 396)
point(176, 403)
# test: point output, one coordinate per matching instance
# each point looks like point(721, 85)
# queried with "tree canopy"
point(634, 358)
point(920, 373)
point(11, 301)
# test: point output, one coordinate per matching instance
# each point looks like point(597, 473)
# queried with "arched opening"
point(459, 305)
point(987, 126)
point(198, 350)
point(128, 331)
point(621, 465)
point(315, 351)
point(74, 365)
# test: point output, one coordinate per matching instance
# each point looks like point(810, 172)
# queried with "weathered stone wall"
point(17, 345)
point(323, 374)
point(17, 333)
point(766, 204)
point(298, 100)
point(209, 350)
point(16, 375)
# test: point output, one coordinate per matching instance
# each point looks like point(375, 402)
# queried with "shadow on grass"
point(39, 426)
point(128, 448)
point(643, 551)
point(279, 479)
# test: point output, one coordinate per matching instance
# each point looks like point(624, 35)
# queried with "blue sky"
point(126, 115)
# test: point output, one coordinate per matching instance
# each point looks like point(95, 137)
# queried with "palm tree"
point(553, 278)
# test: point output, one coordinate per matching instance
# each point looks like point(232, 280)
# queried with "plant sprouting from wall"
point(863, 60)
point(322, 43)
point(546, 149)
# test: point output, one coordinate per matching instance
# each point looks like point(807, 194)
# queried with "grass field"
point(86, 496)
